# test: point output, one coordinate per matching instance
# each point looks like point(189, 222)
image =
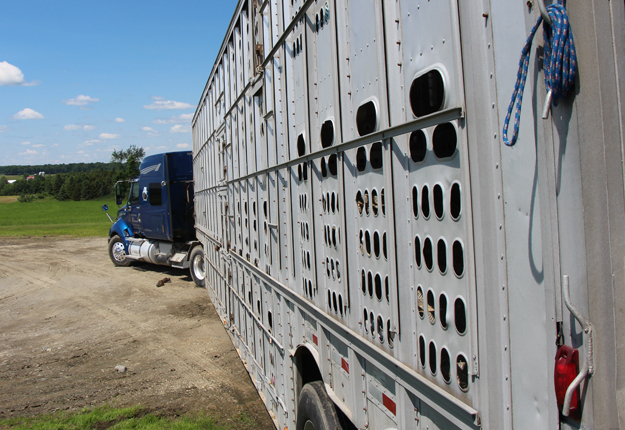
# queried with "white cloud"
point(182, 145)
point(160, 103)
point(3, 128)
point(71, 127)
point(39, 145)
point(92, 142)
point(12, 75)
point(89, 127)
point(109, 136)
point(179, 129)
point(185, 117)
point(148, 129)
point(28, 114)
point(29, 152)
point(80, 101)
point(120, 120)
point(25, 143)
point(78, 127)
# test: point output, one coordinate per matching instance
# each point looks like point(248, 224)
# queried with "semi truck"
point(156, 223)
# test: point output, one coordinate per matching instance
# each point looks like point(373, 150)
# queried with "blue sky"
point(80, 78)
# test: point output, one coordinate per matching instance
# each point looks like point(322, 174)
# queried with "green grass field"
point(121, 419)
point(50, 217)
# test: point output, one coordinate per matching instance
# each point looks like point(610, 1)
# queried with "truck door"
point(134, 210)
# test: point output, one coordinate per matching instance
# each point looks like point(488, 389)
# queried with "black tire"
point(117, 252)
point(315, 410)
point(196, 266)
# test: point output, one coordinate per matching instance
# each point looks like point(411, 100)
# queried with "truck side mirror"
point(118, 194)
point(105, 207)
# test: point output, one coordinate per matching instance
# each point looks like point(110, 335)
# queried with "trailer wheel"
point(196, 266)
point(315, 410)
point(117, 251)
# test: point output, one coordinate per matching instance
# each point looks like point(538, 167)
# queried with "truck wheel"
point(315, 410)
point(196, 266)
point(117, 251)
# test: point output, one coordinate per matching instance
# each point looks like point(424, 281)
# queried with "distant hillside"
point(56, 168)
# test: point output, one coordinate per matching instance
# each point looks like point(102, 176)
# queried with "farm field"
point(50, 217)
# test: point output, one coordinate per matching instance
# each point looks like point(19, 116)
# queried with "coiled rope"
point(559, 64)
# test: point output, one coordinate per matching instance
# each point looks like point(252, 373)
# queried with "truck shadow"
point(162, 271)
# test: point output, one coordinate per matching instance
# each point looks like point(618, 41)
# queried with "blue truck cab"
point(156, 224)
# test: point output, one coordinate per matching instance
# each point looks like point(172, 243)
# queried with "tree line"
point(78, 185)
point(53, 169)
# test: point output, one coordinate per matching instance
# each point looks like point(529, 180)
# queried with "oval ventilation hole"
point(366, 118)
point(341, 304)
point(431, 308)
point(361, 159)
point(327, 134)
point(360, 202)
point(387, 290)
point(415, 201)
point(455, 201)
point(367, 202)
point(445, 365)
point(444, 140)
point(324, 168)
point(427, 93)
point(460, 316)
point(380, 328)
point(333, 269)
point(270, 320)
point(422, 350)
point(299, 173)
point(425, 201)
point(362, 246)
point(328, 266)
point(441, 253)
point(301, 145)
point(374, 201)
point(420, 307)
point(384, 252)
point(338, 272)
point(334, 236)
point(382, 202)
point(368, 243)
point(375, 156)
point(417, 251)
point(432, 357)
point(265, 209)
point(332, 164)
point(427, 253)
point(370, 284)
point(310, 288)
point(458, 256)
point(334, 302)
point(305, 171)
point(376, 244)
point(329, 300)
point(442, 310)
point(365, 320)
point(389, 335)
point(462, 372)
point(333, 202)
point(363, 281)
point(372, 323)
point(438, 201)
point(418, 146)
point(378, 286)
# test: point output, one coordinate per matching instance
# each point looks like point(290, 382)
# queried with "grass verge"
point(50, 217)
point(120, 419)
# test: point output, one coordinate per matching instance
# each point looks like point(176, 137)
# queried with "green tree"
point(129, 160)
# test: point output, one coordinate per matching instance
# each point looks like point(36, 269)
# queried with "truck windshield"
point(133, 196)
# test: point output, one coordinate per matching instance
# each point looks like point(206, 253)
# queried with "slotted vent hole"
point(427, 253)
point(417, 251)
point(366, 118)
point(442, 256)
point(432, 357)
point(438, 201)
point(367, 202)
point(431, 308)
point(265, 209)
point(334, 236)
point(333, 202)
point(387, 289)
point(324, 168)
point(389, 334)
point(329, 299)
point(462, 372)
point(370, 283)
point(372, 322)
point(415, 201)
point(418, 146)
point(368, 243)
point(332, 164)
point(445, 365)
point(384, 246)
point(376, 244)
point(444, 140)
point(460, 316)
point(270, 319)
point(420, 307)
point(363, 281)
point(374, 201)
point(425, 201)
point(382, 202)
point(380, 328)
point(362, 246)
point(427, 93)
point(365, 318)
point(378, 286)
point(305, 171)
point(360, 202)
point(327, 134)
point(442, 310)
point(334, 302)
point(422, 350)
point(455, 201)
point(361, 159)
point(301, 145)
point(375, 156)
point(458, 258)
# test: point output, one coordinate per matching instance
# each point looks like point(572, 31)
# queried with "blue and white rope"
point(559, 64)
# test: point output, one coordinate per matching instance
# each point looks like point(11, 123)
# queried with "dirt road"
point(68, 317)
